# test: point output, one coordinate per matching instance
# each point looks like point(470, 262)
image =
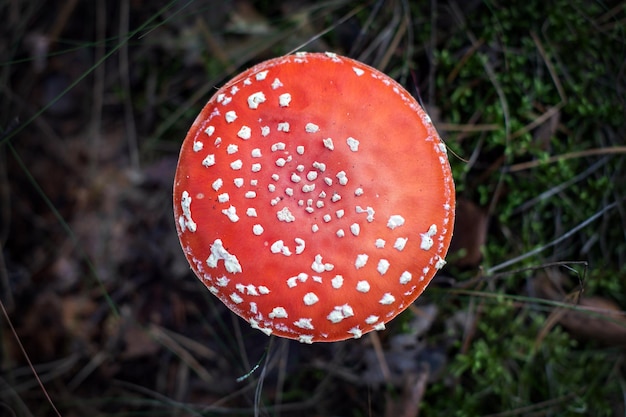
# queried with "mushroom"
point(314, 197)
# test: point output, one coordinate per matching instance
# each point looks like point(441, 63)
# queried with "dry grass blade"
point(382, 362)
point(27, 357)
point(163, 337)
point(467, 128)
point(554, 242)
point(613, 150)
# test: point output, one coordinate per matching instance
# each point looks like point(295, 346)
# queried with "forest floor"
point(102, 316)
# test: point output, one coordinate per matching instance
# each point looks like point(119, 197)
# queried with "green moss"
point(511, 79)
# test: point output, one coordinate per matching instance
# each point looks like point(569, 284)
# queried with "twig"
point(467, 128)
point(572, 155)
point(537, 121)
point(551, 69)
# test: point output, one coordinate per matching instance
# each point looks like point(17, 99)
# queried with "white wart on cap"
point(314, 197)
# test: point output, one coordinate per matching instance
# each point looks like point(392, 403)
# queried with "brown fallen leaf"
point(470, 234)
point(597, 318)
point(590, 318)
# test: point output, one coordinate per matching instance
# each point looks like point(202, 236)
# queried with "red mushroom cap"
point(314, 197)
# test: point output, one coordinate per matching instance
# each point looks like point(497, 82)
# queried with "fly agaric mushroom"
point(314, 197)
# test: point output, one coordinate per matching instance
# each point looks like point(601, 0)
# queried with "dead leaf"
point(597, 318)
point(590, 318)
point(470, 234)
